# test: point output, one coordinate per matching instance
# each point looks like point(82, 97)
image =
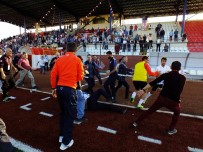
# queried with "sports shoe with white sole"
point(64, 147)
point(171, 132)
point(60, 139)
point(135, 124)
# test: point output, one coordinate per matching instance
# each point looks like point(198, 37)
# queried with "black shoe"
point(34, 88)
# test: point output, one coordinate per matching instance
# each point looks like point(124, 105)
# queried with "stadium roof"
point(14, 11)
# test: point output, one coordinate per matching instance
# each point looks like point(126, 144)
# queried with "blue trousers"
point(67, 101)
point(80, 104)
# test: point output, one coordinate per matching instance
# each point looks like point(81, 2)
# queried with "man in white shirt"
point(163, 68)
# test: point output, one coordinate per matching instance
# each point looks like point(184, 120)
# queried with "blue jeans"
point(80, 104)
point(67, 101)
point(42, 69)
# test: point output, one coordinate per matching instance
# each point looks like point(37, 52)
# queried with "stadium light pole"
point(25, 29)
point(184, 13)
point(59, 22)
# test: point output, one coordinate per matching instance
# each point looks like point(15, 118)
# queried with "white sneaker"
point(135, 124)
point(12, 97)
point(171, 132)
point(64, 147)
point(60, 139)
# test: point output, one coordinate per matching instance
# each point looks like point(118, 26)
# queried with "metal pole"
point(184, 13)
point(110, 22)
point(25, 29)
point(59, 22)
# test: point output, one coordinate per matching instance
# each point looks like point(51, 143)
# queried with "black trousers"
point(111, 81)
point(91, 84)
point(5, 144)
point(8, 84)
point(123, 82)
point(92, 103)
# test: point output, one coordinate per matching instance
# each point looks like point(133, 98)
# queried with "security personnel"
point(112, 77)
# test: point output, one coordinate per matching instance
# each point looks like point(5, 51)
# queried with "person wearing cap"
point(111, 80)
point(67, 71)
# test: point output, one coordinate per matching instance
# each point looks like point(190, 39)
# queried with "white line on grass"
point(25, 107)
point(45, 98)
point(46, 114)
point(106, 130)
point(22, 146)
point(191, 149)
point(133, 107)
point(151, 140)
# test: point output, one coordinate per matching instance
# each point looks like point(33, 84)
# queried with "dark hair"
point(108, 52)
point(176, 65)
point(79, 56)
point(164, 58)
point(71, 47)
point(145, 58)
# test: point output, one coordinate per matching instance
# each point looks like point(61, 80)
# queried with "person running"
point(25, 69)
point(6, 67)
point(141, 70)
point(169, 97)
point(122, 71)
point(111, 80)
point(89, 78)
point(67, 71)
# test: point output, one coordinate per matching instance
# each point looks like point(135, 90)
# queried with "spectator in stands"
point(162, 33)
point(117, 48)
point(64, 78)
point(135, 27)
point(124, 43)
point(150, 39)
point(128, 45)
point(171, 35)
point(111, 80)
point(142, 69)
point(84, 46)
point(166, 47)
point(122, 71)
point(25, 69)
point(169, 96)
point(184, 37)
point(176, 35)
point(5, 144)
point(141, 43)
point(158, 44)
point(6, 67)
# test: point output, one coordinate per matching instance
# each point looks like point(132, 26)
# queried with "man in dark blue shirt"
point(169, 96)
point(112, 77)
point(89, 78)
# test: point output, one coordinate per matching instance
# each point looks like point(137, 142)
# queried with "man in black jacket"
point(122, 71)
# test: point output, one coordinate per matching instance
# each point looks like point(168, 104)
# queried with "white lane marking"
point(77, 122)
point(151, 140)
point(160, 111)
point(133, 107)
point(25, 107)
point(106, 130)
point(191, 149)
point(46, 114)
point(22, 146)
point(35, 90)
point(12, 97)
point(45, 98)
